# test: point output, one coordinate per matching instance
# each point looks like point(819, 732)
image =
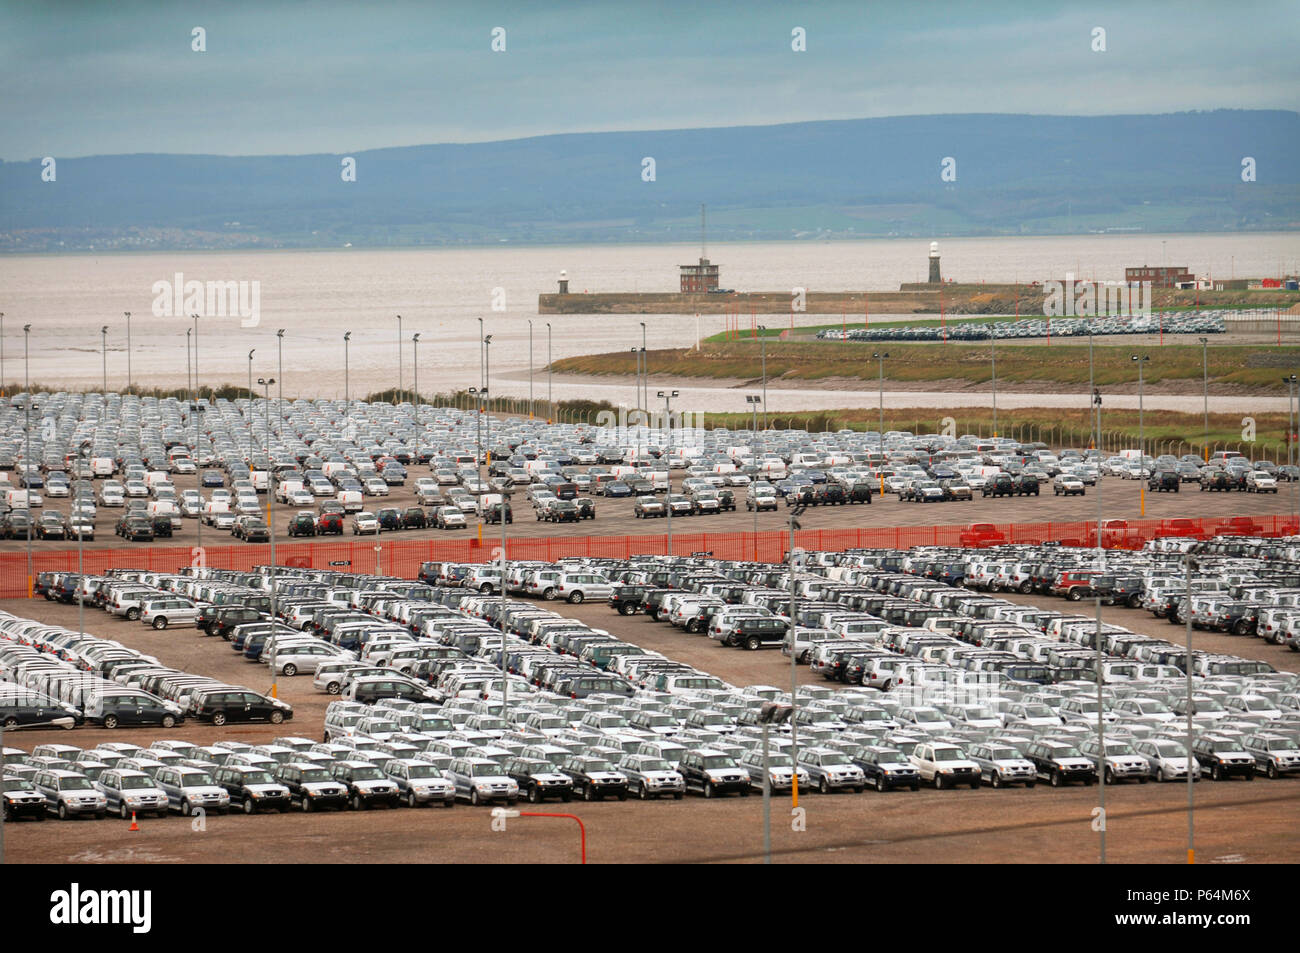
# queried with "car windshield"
point(1002, 754)
point(1169, 749)
point(488, 770)
point(196, 779)
point(948, 754)
point(367, 773)
point(719, 761)
point(311, 775)
point(1037, 711)
point(133, 782)
point(1282, 744)
point(17, 784)
point(926, 715)
point(423, 771)
point(655, 764)
point(1065, 751)
point(1119, 747)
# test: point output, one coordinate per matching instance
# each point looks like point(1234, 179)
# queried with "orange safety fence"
point(402, 557)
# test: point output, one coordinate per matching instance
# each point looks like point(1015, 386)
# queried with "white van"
point(285, 488)
point(102, 466)
point(17, 499)
point(212, 508)
point(351, 500)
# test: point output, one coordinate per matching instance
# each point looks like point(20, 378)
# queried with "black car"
point(886, 768)
point(253, 531)
point(829, 494)
point(137, 529)
point(19, 798)
point(413, 517)
point(304, 524)
point(860, 492)
point(162, 527)
point(220, 620)
point(1223, 758)
point(366, 784)
point(713, 773)
point(596, 778)
point(1004, 484)
point(493, 514)
point(539, 780)
point(1164, 481)
point(222, 706)
point(52, 526)
point(1217, 480)
point(390, 519)
point(627, 599)
point(311, 786)
point(562, 511)
point(254, 789)
point(1026, 485)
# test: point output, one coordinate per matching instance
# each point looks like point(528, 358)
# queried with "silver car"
point(132, 792)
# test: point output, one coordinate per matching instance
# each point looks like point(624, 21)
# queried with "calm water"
point(317, 295)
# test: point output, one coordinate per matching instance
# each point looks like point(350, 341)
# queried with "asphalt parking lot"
point(1256, 822)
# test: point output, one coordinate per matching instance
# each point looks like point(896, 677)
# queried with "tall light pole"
point(880, 356)
point(1291, 423)
point(279, 394)
point(1142, 457)
point(762, 344)
point(637, 354)
point(415, 372)
point(1205, 394)
point(27, 454)
point(270, 519)
point(668, 395)
point(795, 513)
point(487, 373)
point(103, 350)
point(479, 394)
point(195, 319)
point(251, 398)
point(550, 412)
point(128, 349)
point(1191, 735)
point(993, 360)
point(1101, 700)
point(645, 370)
point(4, 385)
point(530, 368)
point(753, 400)
point(189, 333)
point(347, 410)
point(399, 360)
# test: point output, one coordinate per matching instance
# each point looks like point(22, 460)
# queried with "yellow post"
point(1142, 500)
point(480, 534)
point(795, 790)
point(1191, 856)
point(274, 692)
point(31, 587)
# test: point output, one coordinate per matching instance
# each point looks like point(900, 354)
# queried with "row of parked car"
point(1185, 322)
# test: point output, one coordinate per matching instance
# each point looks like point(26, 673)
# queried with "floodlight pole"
point(795, 512)
point(668, 498)
point(1191, 758)
point(1101, 696)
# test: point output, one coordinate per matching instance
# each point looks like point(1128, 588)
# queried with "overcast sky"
point(94, 78)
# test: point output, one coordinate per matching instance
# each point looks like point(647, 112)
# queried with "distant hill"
point(851, 178)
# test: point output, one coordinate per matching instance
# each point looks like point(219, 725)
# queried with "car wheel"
point(753, 642)
point(249, 806)
point(880, 783)
point(1056, 779)
point(133, 614)
point(708, 789)
point(410, 799)
point(622, 795)
point(277, 717)
point(1110, 776)
point(1272, 772)
point(996, 780)
point(588, 793)
point(110, 721)
point(1026, 587)
point(219, 718)
point(1216, 772)
point(11, 722)
point(824, 786)
point(122, 811)
point(357, 803)
point(333, 688)
point(1075, 594)
point(186, 808)
point(534, 795)
point(566, 797)
point(306, 804)
point(1030, 784)
point(548, 595)
point(160, 623)
point(168, 721)
point(627, 608)
point(289, 669)
point(938, 782)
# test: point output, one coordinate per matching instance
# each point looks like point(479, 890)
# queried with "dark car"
point(829, 494)
point(493, 514)
point(1217, 480)
point(726, 499)
point(138, 529)
point(52, 526)
point(1026, 485)
point(311, 786)
point(222, 706)
point(539, 780)
point(713, 773)
point(221, 620)
point(561, 511)
point(627, 599)
point(254, 789)
point(596, 778)
point(389, 519)
point(131, 710)
point(212, 478)
point(586, 508)
point(366, 784)
point(19, 798)
point(886, 768)
point(304, 524)
point(1004, 484)
point(162, 527)
point(860, 492)
point(413, 517)
point(1164, 481)
point(253, 531)
point(615, 489)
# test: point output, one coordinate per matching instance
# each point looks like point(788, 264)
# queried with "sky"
point(290, 78)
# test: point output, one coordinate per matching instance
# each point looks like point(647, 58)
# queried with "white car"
point(944, 765)
point(301, 497)
point(304, 657)
point(365, 524)
point(161, 613)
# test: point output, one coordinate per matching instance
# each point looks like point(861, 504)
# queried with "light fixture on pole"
point(762, 343)
point(1142, 456)
point(399, 361)
point(279, 394)
point(530, 368)
point(1205, 390)
point(666, 396)
point(550, 412)
point(478, 394)
point(645, 370)
point(993, 360)
point(251, 398)
point(27, 453)
point(103, 350)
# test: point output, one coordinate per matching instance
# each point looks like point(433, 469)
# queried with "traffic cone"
point(134, 826)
